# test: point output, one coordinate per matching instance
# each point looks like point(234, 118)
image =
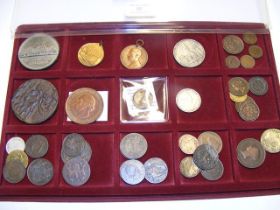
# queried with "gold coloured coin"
point(238, 99)
point(232, 61)
point(188, 143)
point(188, 168)
point(91, 54)
point(247, 61)
point(18, 155)
point(270, 140)
point(134, 56)
point(142, 99)
point(250, 38)
point(255, 51)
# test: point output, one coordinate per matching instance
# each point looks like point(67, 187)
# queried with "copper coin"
point(188, 143)
point(270, 139)
point(205, 157)
point(18, 155)
point(247, 61)
point(35, 101)
point(84, 106)
point(238, 86)
point(91, 54)
point(255, 51)
point(188, 168)
point(258, 86)
point(249, 110)
point(14, 171)
point(211, 138)
point(233, 44)
point(214, 173)
point(232, 61)
point(250, 37)
point(36, 146)
point(250, 153)
point(238, 104)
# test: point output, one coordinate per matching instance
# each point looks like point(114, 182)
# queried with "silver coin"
point(76, 171)
point(133, 146)
point(258, 86)
point(14, 171)
point(132, 172)
point(38, 52)
point(36, 146)
point(214, 173)
point(40, 172)
point(86, 153)
point(205, 157)
point(156, 170)
point(73, 144)
point(188, 100)
point(15, 143)
point(189, 53)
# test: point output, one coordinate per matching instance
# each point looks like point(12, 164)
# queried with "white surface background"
point(36, 11)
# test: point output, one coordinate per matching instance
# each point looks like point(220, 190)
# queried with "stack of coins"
point(234, 45)
point(76, 153)
point(132, 171)
point(245, 105)
point(39, 171)
point(251, 152)
point(205, 158)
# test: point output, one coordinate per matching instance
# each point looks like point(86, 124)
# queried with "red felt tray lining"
point(217, 113)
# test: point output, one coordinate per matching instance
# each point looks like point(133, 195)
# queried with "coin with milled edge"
point(36, 146)
point(233, 44)
point(132, 172)
point(188, 100)
point(189, 53)
point(250, 153)
point(188, 143)
point(214, 173)
point(91, 54)
point(156, 170)
point(205, 157)
point(232, 61)
point(76, 171)
point(35, 101)
point(247, 61)
point(142, 99)
point(188, 168)
point(255, 51)
point(238, 99)
point(38, 52)
point(270, 140)
point(250, 37)
point(84, 105)
point(133, 146)
point(18, 155)
point(238, 86)
point(14, 171)
point(258, 86)
point(211, 138)
point(15, 143)
point(249, 110)
point(40, 172)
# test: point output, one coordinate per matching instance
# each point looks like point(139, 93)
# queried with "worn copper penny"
point(187, 168)
point(233, 44)
point(255, 51)
point(142, 99)
point(270, 140)
point(211, 138)
point(73, 144)
point(250, 37)
point(258, 86)
point(205, 157)
point(84, 105)
point(91, 54)
point(238, 104)
point(232, 61)
point(247, 61)
point(214, 173)
point(156, 170)
point(237, 99)
point(36, 146)
point(250, 153)
point(188, 143)
point(18, 155)
point(14, 171)
point(238, 86)
point(35, 101)
point(249, 110)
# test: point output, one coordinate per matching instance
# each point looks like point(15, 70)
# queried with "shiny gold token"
point(255, 51)
point(91, 54)
point(238, 99)
point(188, 168)
point(188, 143)
point(247, 61)
point(18, 155)
point(134, 56)
point(270, 140)
point(250, 37)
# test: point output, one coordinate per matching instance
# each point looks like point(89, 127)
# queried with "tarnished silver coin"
point(35, 101)
point(36, 146)
point(40, 171)
point(189, 53)
point(132, 172)
point(76, 171)
point(133, 146)
point(205, 157)
point(15, 143)
point(156, 170)
point(214, 173)
point(14, 171)
point(38, 52)
point(188, 100)
point(258, 86)
point(73, 144)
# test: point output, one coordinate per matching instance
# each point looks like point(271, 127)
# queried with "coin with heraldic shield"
point(188, 100)
point(36, 146)
point(233, 44)
point(15, 143)
point(14, 171)
point(189, 53)
point(132, 172)
point(258, 86)
point(270, 140)
point(188, 143)
point(35, 101)
point(38, 52)
point(211, 138)
point(133, 146)
point(91, 54)
point(156, 170)
point(188, 168)
point(214, 173)
point(40, 172)
point(76, 171)
point(84, 105)
point(205, 157)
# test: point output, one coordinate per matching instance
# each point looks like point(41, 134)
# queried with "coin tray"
point(217, 112)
